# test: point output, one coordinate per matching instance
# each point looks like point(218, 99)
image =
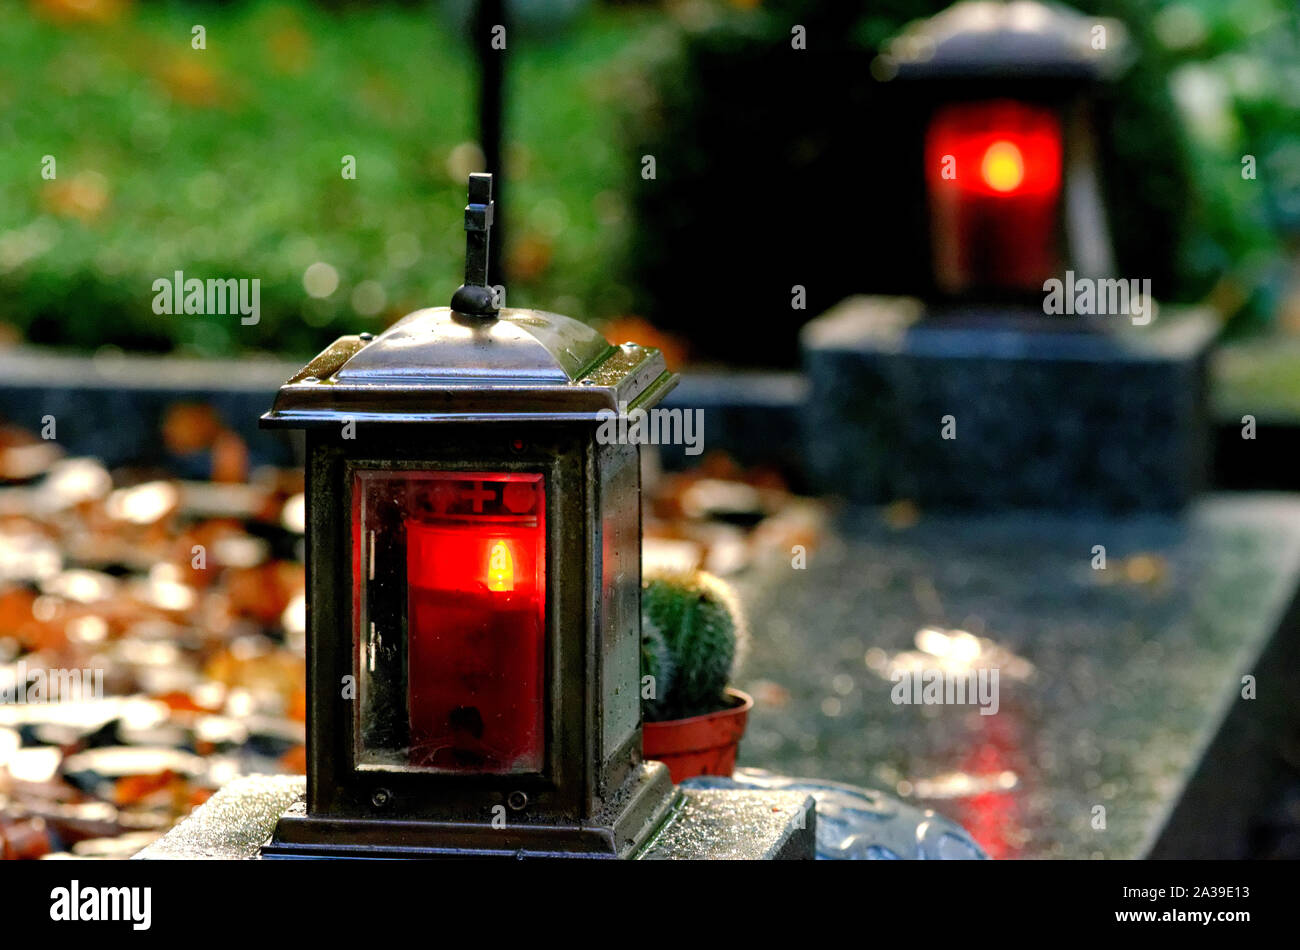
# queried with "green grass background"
point(226, 162)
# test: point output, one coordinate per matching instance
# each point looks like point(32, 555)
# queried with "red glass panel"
point(993, 171)
point(476, 577)
point(471, 549)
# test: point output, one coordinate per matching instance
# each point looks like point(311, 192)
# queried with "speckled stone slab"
point(861, 824)
point(722, 825)
point(1121, 729)
point(234, 823)
point(707, 825)
point(1040, 417)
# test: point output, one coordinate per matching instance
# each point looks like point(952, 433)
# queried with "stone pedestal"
point(704, 824)
point(1039, 412)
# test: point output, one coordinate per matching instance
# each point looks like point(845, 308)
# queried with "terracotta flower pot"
point(699, 745)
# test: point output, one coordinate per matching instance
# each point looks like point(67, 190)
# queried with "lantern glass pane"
point(449, 574)
point(993, 173)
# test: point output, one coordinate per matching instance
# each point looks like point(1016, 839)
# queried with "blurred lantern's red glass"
point(993, 172)
point(477, 589)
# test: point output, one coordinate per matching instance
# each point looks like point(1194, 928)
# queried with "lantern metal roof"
point(473, 362)
point(986, 39)
point(430, 367)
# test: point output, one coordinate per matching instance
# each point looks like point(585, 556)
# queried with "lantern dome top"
point(991, 39)
point(435, 365)
point(518, 346)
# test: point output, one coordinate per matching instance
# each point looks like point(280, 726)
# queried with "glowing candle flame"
point(501, 568)
point(1003, 166)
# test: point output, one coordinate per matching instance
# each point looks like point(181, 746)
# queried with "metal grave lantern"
point(1008, 92)
point(473, 585)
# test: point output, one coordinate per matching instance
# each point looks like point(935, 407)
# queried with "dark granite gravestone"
point(1121, 688)
point(991, 410)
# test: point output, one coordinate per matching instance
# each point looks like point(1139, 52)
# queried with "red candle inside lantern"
point(993, 171)
point(476, 554)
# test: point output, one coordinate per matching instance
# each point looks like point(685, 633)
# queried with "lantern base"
point(701, 824)
point(645, 806)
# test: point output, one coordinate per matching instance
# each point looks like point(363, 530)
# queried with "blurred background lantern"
point(1008, 92)
point(929, 398)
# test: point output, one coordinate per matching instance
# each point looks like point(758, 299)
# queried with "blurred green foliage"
point(1234, 71)
point(227, 162)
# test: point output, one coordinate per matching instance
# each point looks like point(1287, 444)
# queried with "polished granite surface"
point(706, 824)
point(1112, 683)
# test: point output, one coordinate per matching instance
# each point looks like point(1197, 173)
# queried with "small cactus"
point(657, 663)
point(691, 635)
